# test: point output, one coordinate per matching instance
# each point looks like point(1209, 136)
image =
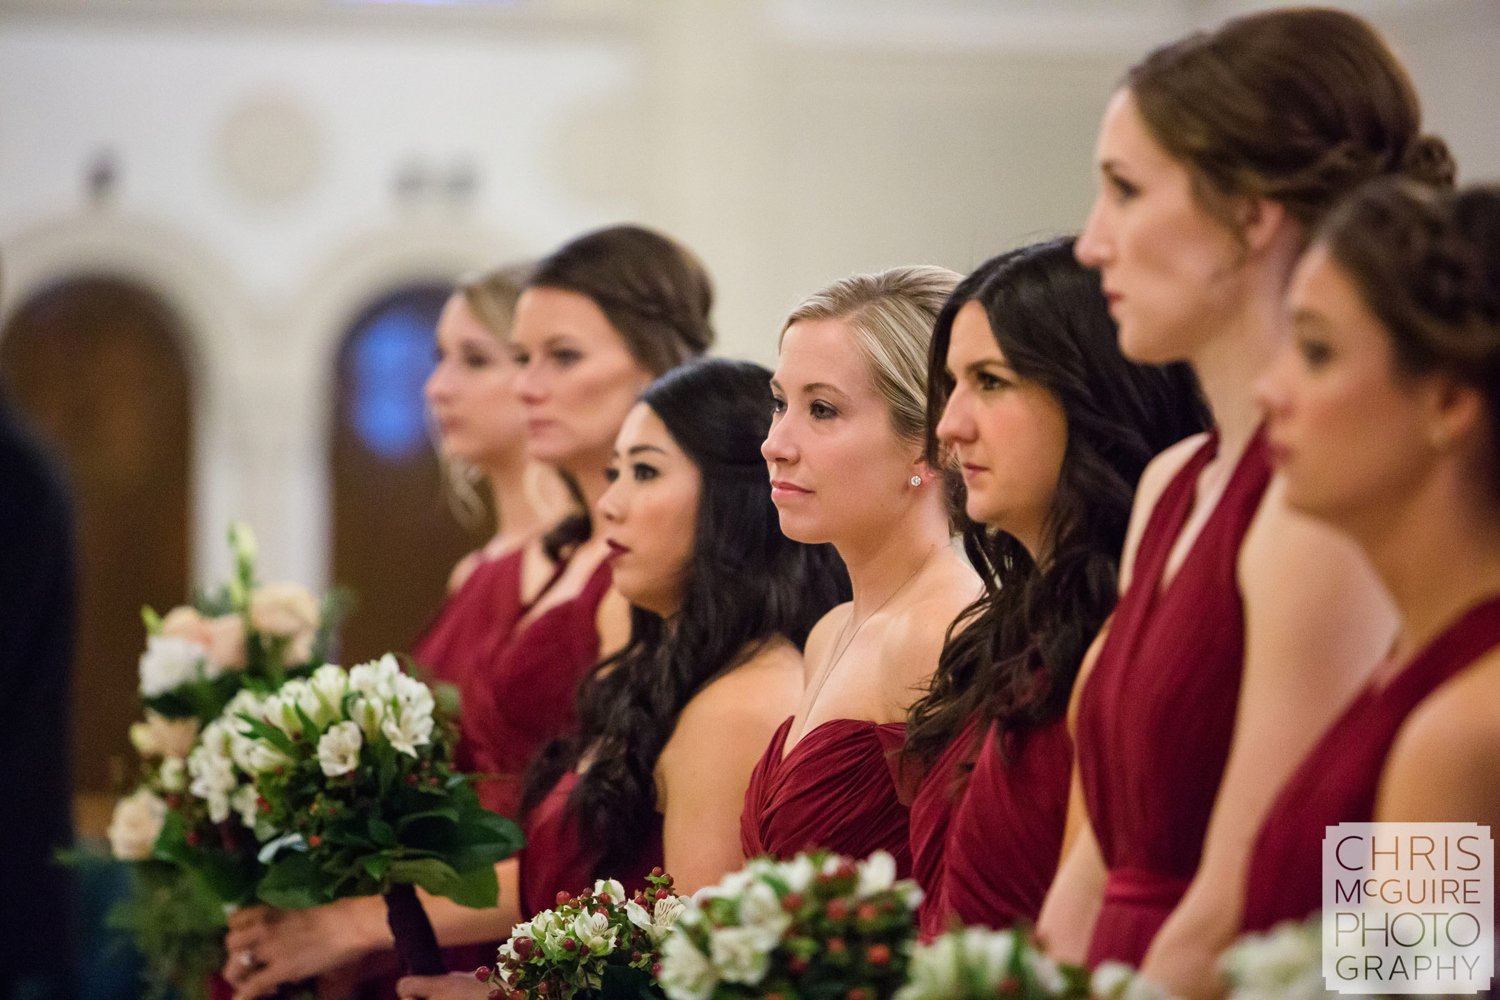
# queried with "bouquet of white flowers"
point(344, 778)
point(598, 943)
point(976, 963)
point(817, 927)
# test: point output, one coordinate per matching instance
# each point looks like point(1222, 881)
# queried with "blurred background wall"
point(224, 224)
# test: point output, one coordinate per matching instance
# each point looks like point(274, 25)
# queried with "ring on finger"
point(247, 959)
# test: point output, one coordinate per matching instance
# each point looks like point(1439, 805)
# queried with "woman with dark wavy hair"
point(1396, 319)
point(671, 726)
point(1029, 396)
point(1243, 626)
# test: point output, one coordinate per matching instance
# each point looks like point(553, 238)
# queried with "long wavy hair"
point(747, 585)
point(1011, 657)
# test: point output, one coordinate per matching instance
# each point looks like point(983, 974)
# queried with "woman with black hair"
point(1029, 396)
point(671, 726)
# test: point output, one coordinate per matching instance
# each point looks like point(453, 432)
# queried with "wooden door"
point(97, 365)
point(395, 540)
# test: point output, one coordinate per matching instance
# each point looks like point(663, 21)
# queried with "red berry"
point(791, 902)
point(879, 954)
point(192, 838)
point(836, 946)
point(542, 989)
point(837, 909)
point(656, 872)
point(562, 897)
point(569, 944)
point(523, 948)
point(583, 951)
point(867, 912)
point(174, 800)
point(1008, 987)
point(517, 995)
point(434, 781)
point(635, 957)
point(412, 779)
point(656, 969)
point(798, 965)
point(495, 993)
point(859, 993)
point(662, 894)
point(315, 841)
point(482, 973)
point(772, 996)
point(603, 899)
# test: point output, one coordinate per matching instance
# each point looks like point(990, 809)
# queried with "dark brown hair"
point(1296, 106)
point(655, 294)
point(1427, 264)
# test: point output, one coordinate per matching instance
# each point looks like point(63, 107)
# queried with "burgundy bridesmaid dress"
point(1337, 782)
point(1005, 837)
point(527, 698)
point(556, 859)
point(836, 789)
point(476, 619)
point(1156, 716)
point(938, 795)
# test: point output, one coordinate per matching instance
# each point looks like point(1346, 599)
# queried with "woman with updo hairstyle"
point(1028, 394)
point(1385, 424)
point(848, 467)
point(597, 321)
point(670, 726)
point(1243, 626)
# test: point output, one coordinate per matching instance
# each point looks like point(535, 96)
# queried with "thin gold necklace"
point(839, 654)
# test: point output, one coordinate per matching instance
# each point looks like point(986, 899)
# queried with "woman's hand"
point(268, 947)
point(453, 986)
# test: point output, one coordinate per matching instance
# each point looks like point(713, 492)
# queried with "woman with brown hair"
point(598, 320)
point(1396, 325)
point(1243, 626)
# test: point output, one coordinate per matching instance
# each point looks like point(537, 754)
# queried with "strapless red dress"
point(555, 858)
point(1338, 780)
point(836, 789)
point(1006, 834)
point(1156, 716)
point(938, 794)
point(528, 696)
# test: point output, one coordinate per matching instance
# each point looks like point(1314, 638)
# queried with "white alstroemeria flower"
point(169, 663)
point(407, 728)
point(281, 708)
point(760, 908)
point(798, 873)
point(730, 885)
point(173, 774)
point(327, 687)
point(246, 802)
point(338, 749)
point(936, 971)
point(686, 973)
point(664, 916)
point(367, 713)
point(637, 915)
point(262, 758)
point(741, 954)
point(135, 825)
point(877, 873)
point(592, 931)
point(376, 679)
point(611, 888)
point(213, 776)
point(1118, 981)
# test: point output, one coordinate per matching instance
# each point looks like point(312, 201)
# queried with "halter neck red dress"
point(1006, 833)
point(555, 858)
point(836, 789)
point(460, 643)
point(527, 699)
point(1338, 780)
point(1156, 716)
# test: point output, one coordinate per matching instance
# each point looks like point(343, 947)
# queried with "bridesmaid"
point(672, 725)
point(1243, 627)
point(846, 457)
point(1396, 318)
point(1029, 395)
point(598, 319)
point(481, 430)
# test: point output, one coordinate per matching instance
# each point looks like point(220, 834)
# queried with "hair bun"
point(1428, 161)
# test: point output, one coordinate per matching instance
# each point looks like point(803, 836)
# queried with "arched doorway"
point(394, 538)
point(97, 364)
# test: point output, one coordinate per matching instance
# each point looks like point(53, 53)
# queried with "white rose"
point(286, 611)
point(686, 973)
point(135, 825)
point(169, 663)
point(741, 954)
point(407, 728)
point(160, 736)
point(224, 636)
point(338, 750)
point(877, 873)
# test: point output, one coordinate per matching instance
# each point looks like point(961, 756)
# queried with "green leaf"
point(295, 881)
point(377, 865)
point(477, 889)
point(382, 833)
point(443, 812)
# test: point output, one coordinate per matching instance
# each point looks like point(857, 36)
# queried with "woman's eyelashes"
point(817, 408)
point(989, 381)
point(639, 471)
